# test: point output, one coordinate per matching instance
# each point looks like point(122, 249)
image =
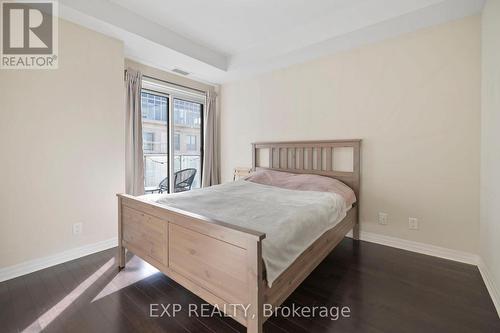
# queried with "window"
point(153, 106)
point(191, 142)
point(177, 141)
point(185, 130)
point(147, 141)
point(154, 138)
point(187, 117)
point(187, 113)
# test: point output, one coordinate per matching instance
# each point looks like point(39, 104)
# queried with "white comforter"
point(292, 220)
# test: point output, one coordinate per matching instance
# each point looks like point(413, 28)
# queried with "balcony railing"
point(155, 167)
point(153, 148)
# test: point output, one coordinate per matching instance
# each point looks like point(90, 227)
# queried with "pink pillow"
point(303, 182)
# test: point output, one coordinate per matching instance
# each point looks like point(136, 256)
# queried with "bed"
point(223, 262)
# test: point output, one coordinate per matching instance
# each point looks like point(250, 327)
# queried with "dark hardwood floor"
point(386, 289)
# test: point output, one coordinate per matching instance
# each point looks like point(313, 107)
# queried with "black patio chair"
point(183, 180)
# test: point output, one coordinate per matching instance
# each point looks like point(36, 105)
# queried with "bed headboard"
point(314, 157)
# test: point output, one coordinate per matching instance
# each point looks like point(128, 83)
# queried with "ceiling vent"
point(180, 71)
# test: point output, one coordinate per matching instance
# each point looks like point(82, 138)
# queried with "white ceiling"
point(222, 40)
point(233, 26)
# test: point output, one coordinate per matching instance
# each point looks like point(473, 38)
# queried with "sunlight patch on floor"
point(135, 270)
point(50, 315)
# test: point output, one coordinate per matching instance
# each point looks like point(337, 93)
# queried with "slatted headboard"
point(314, 157)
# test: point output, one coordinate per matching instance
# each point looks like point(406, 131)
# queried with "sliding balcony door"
point(172, 130)
point(188, 139)
point(155, 134)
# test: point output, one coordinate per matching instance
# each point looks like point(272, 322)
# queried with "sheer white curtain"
point(134, 163)
point(211, 169)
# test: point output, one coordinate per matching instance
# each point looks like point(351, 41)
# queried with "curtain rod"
point(175, 84)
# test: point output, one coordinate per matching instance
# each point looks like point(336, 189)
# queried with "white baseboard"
point(490, 284)
point(431, 250)
point(441, 252)
point(30, 266)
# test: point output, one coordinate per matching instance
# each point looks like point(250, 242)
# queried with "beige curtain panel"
point(134, 164)
point(211, 168)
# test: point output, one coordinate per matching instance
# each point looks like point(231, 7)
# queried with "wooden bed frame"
point(222, 263)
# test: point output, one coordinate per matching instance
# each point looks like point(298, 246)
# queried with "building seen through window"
point(187, 137)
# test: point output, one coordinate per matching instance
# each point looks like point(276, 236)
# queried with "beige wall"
point(490, 143)
point(415, 102)
point(62, 144)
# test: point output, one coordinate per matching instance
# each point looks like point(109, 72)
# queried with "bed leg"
point(121, 249)
point(355, 232)
point(121, 257)
point(355, 229)
point(255, 316)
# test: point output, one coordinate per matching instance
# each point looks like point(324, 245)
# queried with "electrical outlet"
point(413, 223)
point(382, 218)
point(77, 229)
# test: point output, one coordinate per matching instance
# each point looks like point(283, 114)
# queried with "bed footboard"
point(220, 263)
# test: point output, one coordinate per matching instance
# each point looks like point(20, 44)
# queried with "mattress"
point(291, 219)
